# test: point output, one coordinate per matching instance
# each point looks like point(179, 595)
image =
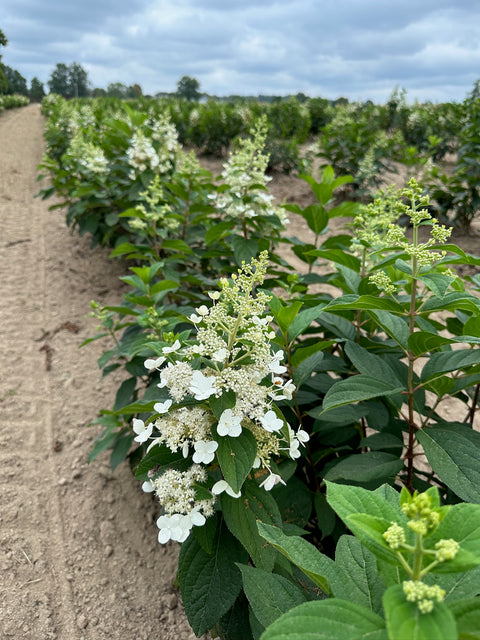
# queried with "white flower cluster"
point(233, 345)
point(141, 154)
point(247, 196)
point(87, 155)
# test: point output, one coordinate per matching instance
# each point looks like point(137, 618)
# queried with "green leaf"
point(233, 624)
point(306, 368)
point(371, 467)
point(285, 315)
point(316, 217)
point(303, 320)
point(370, 364)
point(218, 230)
point(226, 401)
point(367, 302)
point(209, 583)
point(241, 516)
point(437, 283)
point(176, 244)
point(102, 443)
point(462, 523)
point(357, 388)
point(160, 456)
point(236, 457)
point(125, 393)
point(163, 285)
point(302, 353)
point(338, 257)
point(454, 454)
point(361, 584)
point(269, 594)
point(120, 449)
point(467, 616)
point(348, 501)
point(457, 585)
point(445, 361)
point(318, 567)
point(244, 249)
point(404, 619)
point(394, 326)
point(421, 342)
point(331, 619)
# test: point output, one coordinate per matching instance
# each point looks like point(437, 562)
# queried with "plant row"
point(282, 419)
point(13, 101)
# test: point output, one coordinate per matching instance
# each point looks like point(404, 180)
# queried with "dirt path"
point(79, 558)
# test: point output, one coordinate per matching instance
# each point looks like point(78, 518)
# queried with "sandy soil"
point(79, 559)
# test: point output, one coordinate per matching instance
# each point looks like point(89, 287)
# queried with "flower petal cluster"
point(231, 361)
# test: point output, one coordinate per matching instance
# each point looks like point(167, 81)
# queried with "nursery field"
point(78, 552)
point(288, 365)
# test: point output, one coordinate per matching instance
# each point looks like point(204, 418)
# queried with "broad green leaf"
point(125, 393)
point(318, 567)
point(370, 364)
point(347, 500)
point(176, 244)
point(241, 516)
point(357, 388)
point(302, 353)
point(462, 523)
point(209, 583)
point(160, 456)
point(226, 401)
point(316, 217)
point(445, 361)
point(338, 257)
point(404, 619)
point(244, 249)
point(437, 283)
point(306, 368)
point(102, 443)
point(421, 342)
point(218, 231)
point(269, 594)
point(395, 326)
point(369, 530)
point(367, 302)
point(467, 616)
point(373, 467)
point(233, 625)
point(163, 285)
point(286, 315)
point(331, 619)
point(361, 584)
point(457, 585)
point(236, 457)
point(451, 302)
point(120, 449)
point(454, 454)
point(303, 320)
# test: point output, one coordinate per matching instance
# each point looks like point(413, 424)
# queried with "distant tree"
point(16, 82)
point(135, 91)
point(98, 93)
point(3, 79)
point(37, 92)
point(188, 88)
point(69, 82)
point(58, 82)
point(117, 90)
point(77, 81)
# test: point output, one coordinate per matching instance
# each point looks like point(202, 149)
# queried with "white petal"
point(148, 487)
point(164, 536)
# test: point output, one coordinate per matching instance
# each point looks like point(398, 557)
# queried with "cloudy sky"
point(361, 49)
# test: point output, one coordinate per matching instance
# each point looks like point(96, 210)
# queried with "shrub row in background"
point(272, 421)
point(13, 101)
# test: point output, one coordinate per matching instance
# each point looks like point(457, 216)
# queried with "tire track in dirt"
point(78, 553)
